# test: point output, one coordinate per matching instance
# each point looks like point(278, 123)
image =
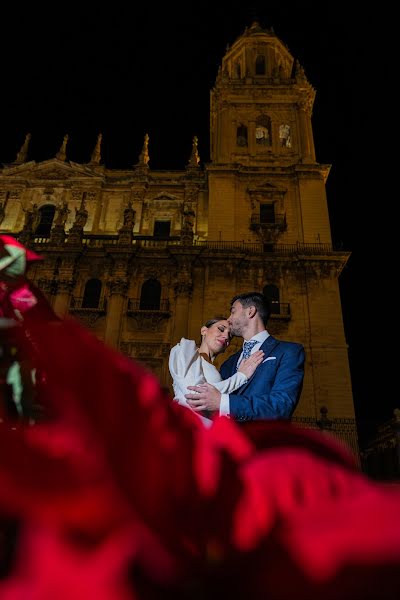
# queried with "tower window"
point(91, 295)
point(271, 292)
point(150, 296)
point(46, 214)
point(267, 213)
point(263, 131)
point(241, 135)
point(162, 229)
point(260, 65)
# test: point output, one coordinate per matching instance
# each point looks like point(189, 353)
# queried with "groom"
point(274, 389)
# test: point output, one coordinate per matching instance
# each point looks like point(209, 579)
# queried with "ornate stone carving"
point(57, 235)
point(31, 218)
point(125, 234)
point(88, 316)
point(148, 320)
point(118, 286)
point(183, 284)
point(188, 219)
point(62, 212)
point(53, 174)
point(65, 286)
point(75, 235)
point(48, 286)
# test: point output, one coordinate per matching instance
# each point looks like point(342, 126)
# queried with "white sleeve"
point(185, 368)
point(225, 386)
point(188, 368)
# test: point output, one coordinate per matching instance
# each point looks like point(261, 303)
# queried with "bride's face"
point(217, 336)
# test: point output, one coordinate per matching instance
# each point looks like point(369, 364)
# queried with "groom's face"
point(237, 319)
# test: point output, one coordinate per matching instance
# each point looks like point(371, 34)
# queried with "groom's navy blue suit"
point(274, 389)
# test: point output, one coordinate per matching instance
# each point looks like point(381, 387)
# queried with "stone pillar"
point(183, 291)
point(304, 135)
point(48, 287)
point(182, 297)
point(115, 311)
point(63, 297)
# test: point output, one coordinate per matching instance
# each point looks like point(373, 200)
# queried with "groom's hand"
point(206, 397)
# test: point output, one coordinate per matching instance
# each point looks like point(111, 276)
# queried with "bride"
point(192, 365)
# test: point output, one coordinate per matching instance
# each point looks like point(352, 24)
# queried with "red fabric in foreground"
point(123, 494)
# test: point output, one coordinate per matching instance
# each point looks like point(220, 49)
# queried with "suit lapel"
point(269, 344)
point(267, 347)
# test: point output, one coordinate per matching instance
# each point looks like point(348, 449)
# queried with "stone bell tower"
point(261, 131)
point(266, 188)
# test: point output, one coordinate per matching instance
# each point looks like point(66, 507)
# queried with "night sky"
point(127, 71)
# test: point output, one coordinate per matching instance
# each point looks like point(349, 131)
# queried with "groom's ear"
point(252, 311)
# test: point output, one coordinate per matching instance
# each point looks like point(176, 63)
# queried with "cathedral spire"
point(96, 154)
point(62, 153)
point(194, 160)
point(22, 154)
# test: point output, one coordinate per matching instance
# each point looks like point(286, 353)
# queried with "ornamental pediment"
point(165, 197)
point(54, 170)
point(267, 189)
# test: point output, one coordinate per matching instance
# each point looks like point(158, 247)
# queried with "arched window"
point(150, 296)
point(46, 214)
point(92, 293)
point(271, 292)
point(263, 131)
point(241, 135)
point(260, 65)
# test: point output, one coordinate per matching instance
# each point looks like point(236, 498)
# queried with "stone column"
point(306, 134)
point(115, 311)
point(183, 293)
point(63, 297)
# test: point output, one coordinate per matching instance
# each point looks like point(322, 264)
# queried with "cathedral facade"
point(145, 257)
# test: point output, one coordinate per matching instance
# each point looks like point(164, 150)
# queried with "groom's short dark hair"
point(255, 299)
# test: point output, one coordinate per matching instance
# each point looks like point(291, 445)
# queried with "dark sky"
point(126, 71)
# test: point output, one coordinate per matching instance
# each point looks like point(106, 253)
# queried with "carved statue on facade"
point(2, 212)
point(129, 217)
point(32, 218)
point(62, 214)
point(188, 217)
point(81, 216)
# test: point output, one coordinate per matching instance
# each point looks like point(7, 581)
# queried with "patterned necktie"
point(247, 347)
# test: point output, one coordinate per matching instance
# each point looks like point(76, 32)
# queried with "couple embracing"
point(261, 381)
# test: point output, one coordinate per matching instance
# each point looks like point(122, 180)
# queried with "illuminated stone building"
point(144, 257)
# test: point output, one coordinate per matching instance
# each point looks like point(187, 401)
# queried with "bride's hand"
point(249, 365)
